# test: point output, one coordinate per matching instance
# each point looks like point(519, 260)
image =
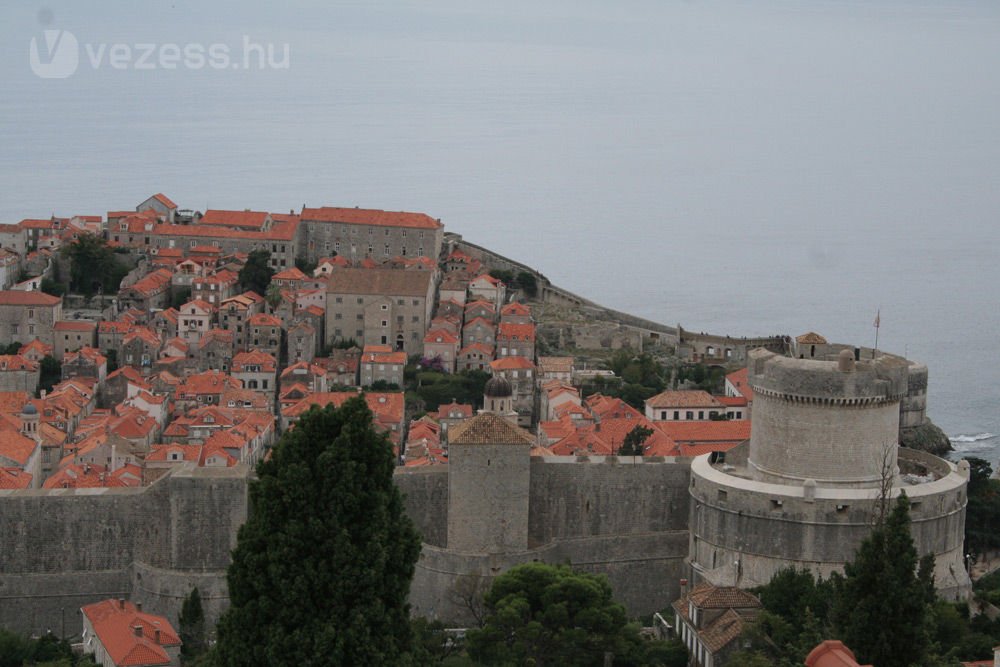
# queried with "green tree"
point(93, 265)
point(634, 440)
point(541, 614)
point(179, 296)
point(982, 514)
point(882, 607)
point(527, 282)
point(305, 266)
point(50, 372)
point(257, 272)
point(52, 287)
point(10, 348)
point(272, 295)
point(191, 626)
point(322, 567)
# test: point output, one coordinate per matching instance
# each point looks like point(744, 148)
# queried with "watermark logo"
point(57, 58)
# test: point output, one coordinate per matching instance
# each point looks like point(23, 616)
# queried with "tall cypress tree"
point(322, 568)
point(882, 605)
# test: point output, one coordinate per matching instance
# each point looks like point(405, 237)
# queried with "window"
point(416, 318)
point(361, 316)
point(340, 299)
point(386, 250)
point(416, 302)
point(701, 414)
point(689, 415)
point(399, 302)
point(336, 316)
point(677, 414)
point(361, 299)
point(385, 306)
point(385, 323)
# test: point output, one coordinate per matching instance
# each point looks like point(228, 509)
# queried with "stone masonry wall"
point(64, 548)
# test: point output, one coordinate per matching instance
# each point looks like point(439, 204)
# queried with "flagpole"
point(878, 318)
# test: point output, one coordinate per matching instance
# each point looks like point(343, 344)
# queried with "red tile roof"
point(247, 218)
point(264, 320)
point(513, 331)
point(153, 283)
point(374, 217)
point(164, 199)
point(511, 363)
point(291, 273)
point(15, 448)
point(130, 636)
point(14, 478)
point(740, 380)
point(440, 336)
point(22, 298)
point(683, 399)
point(254, 358)
point(75, 325)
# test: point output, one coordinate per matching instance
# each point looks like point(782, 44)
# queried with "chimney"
point(996, 656)
point(121, 603)
point(42, 394)
point(684, 585)
point(138, 606)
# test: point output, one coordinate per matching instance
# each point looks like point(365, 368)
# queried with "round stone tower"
point(822, 456)
point(488, 485)
point(836, 422)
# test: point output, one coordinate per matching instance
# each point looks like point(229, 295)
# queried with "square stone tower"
point(489, 461)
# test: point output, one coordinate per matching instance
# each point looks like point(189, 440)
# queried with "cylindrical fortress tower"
point(835, 422)
point(805, 490)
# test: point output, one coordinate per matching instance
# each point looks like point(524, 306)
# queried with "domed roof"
point(498, 387)
point(29, 409)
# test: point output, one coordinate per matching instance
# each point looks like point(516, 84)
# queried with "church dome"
point(498, 387)
point(29, 409)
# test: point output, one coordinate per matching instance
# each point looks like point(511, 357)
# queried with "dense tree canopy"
point(322, 567)
point(982, 515)
point(93, 265)
point(882, 606)
point(257, 272)
point(542, 614)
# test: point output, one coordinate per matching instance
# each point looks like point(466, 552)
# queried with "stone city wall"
point(65, 548)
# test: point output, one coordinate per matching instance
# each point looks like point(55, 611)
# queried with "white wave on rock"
point(971, 438)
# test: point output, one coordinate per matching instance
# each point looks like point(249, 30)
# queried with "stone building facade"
point(380, 307)
point(357, 233)
point(25, 316)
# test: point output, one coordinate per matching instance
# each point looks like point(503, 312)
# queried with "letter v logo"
point(58, 58)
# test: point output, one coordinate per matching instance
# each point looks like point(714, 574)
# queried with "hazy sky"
point(746, 167)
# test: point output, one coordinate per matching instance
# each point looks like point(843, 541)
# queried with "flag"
point(878, 314)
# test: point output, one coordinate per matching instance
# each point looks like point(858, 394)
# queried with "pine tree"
point(322, 568)
point(882, 607)
point(634, 441)
point(191, 626)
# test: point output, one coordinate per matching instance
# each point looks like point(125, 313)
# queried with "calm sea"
point(748, 168)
